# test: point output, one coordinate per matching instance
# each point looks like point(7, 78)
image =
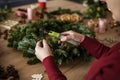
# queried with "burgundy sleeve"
point(52, 69)
point(94, 47)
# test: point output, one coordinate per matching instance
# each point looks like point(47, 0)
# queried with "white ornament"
point(85, 4)
point(37, 76)
point(96, 1)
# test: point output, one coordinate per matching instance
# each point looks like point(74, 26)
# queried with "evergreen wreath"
point(24, 38)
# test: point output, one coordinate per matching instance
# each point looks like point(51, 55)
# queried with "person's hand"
point(42, 51)
point(71, 35)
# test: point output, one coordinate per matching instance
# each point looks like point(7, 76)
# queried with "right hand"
point(71, 35)
point(42, 51)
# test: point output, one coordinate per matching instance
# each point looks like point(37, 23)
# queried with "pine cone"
point(11, 78)
point(11, 71)
point(2, 73)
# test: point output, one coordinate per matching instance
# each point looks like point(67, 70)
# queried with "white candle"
point(102, 25)
point(30, 13)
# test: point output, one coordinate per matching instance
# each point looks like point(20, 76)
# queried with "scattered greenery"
point(65, 15)
point(24, 38)
point(4, 12)
point(97, 10)
point(60, 11)
point(89, 2)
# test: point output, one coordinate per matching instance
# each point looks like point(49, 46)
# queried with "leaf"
point(31, 51)
point(61, 52)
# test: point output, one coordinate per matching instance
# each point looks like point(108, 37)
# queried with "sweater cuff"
point(52, 69)
point(47, 58)
point(85, 41)
point(51, 66)
point(48, 61)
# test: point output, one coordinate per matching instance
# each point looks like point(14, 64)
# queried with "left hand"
point(42, 51)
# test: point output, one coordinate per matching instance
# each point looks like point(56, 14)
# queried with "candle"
point(42, 4)
point(102, 25)
point(30, 13)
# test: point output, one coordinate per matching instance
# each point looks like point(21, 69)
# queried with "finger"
point(66, 33)
point(45, 44)
point(65, 38)
point(35, 53)
point(37, 45)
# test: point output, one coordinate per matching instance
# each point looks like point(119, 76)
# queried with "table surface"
point(73, 71)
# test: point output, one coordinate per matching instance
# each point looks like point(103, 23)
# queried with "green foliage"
point(89, 2)
point(60, 11)
point(4, 12)
point(24, 38)
point(97, 10)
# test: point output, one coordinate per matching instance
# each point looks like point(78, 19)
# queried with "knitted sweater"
point(106, 67)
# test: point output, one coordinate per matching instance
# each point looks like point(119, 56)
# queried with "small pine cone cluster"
point(9, 74)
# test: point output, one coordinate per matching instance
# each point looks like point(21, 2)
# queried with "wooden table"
point(73, 71)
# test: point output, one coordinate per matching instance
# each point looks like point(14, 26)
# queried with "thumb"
point(65, 38)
